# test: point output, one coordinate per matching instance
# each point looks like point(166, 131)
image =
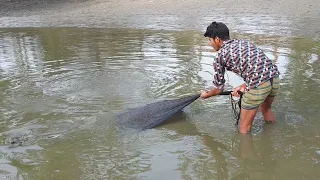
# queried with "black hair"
point(217, 29)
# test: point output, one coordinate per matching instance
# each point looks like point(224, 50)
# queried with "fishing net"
point(151, 115)
point(236, 107)
point(154, 114)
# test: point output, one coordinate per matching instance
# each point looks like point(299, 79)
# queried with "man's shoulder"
point(241, 41)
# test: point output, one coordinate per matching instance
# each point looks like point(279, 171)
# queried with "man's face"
point(215, 43)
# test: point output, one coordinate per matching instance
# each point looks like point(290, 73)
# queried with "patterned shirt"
point(244, 59)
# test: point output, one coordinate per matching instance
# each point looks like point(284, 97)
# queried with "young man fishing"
point(260, 75)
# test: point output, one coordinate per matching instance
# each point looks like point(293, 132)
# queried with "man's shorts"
point(254, 97)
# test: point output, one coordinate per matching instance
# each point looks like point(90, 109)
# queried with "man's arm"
point(213, 92)
point(218, 78)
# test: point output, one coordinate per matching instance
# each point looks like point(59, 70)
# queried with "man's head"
point(217, 32)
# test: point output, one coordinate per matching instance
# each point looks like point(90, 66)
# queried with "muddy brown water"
point(67, 70)
point(66, 85)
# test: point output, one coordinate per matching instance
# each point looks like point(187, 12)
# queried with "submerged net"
point(153, 114)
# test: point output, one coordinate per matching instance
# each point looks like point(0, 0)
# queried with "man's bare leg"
point(246, 119)
point(246, 147)
point(267, 113)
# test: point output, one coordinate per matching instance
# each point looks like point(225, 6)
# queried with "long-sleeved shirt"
point(244, 59)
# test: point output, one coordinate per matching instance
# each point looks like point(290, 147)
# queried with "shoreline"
point(258, 17)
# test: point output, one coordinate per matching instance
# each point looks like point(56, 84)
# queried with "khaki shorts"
point(254, 97)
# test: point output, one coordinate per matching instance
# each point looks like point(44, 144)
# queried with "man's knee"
point(244, 128)
point(247, 117)
point(265, 107)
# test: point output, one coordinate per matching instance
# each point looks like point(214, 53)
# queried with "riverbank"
point(281, 17)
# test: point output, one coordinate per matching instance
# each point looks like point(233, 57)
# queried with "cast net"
point(153, 114)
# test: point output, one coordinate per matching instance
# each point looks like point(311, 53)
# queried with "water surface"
point(66, 86)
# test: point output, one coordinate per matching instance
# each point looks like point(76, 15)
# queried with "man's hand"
point(204, 94)
point(213, 92)
point(241, 88)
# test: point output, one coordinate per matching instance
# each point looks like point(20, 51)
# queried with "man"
point(260, 75)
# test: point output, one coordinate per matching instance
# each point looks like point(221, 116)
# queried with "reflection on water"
point(69, 83)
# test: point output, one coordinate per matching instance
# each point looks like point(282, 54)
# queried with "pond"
point(63, 88)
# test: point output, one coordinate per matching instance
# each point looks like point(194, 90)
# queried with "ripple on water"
point(71, 81)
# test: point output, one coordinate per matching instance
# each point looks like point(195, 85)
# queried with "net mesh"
point(236, 107)
point(153, 114)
